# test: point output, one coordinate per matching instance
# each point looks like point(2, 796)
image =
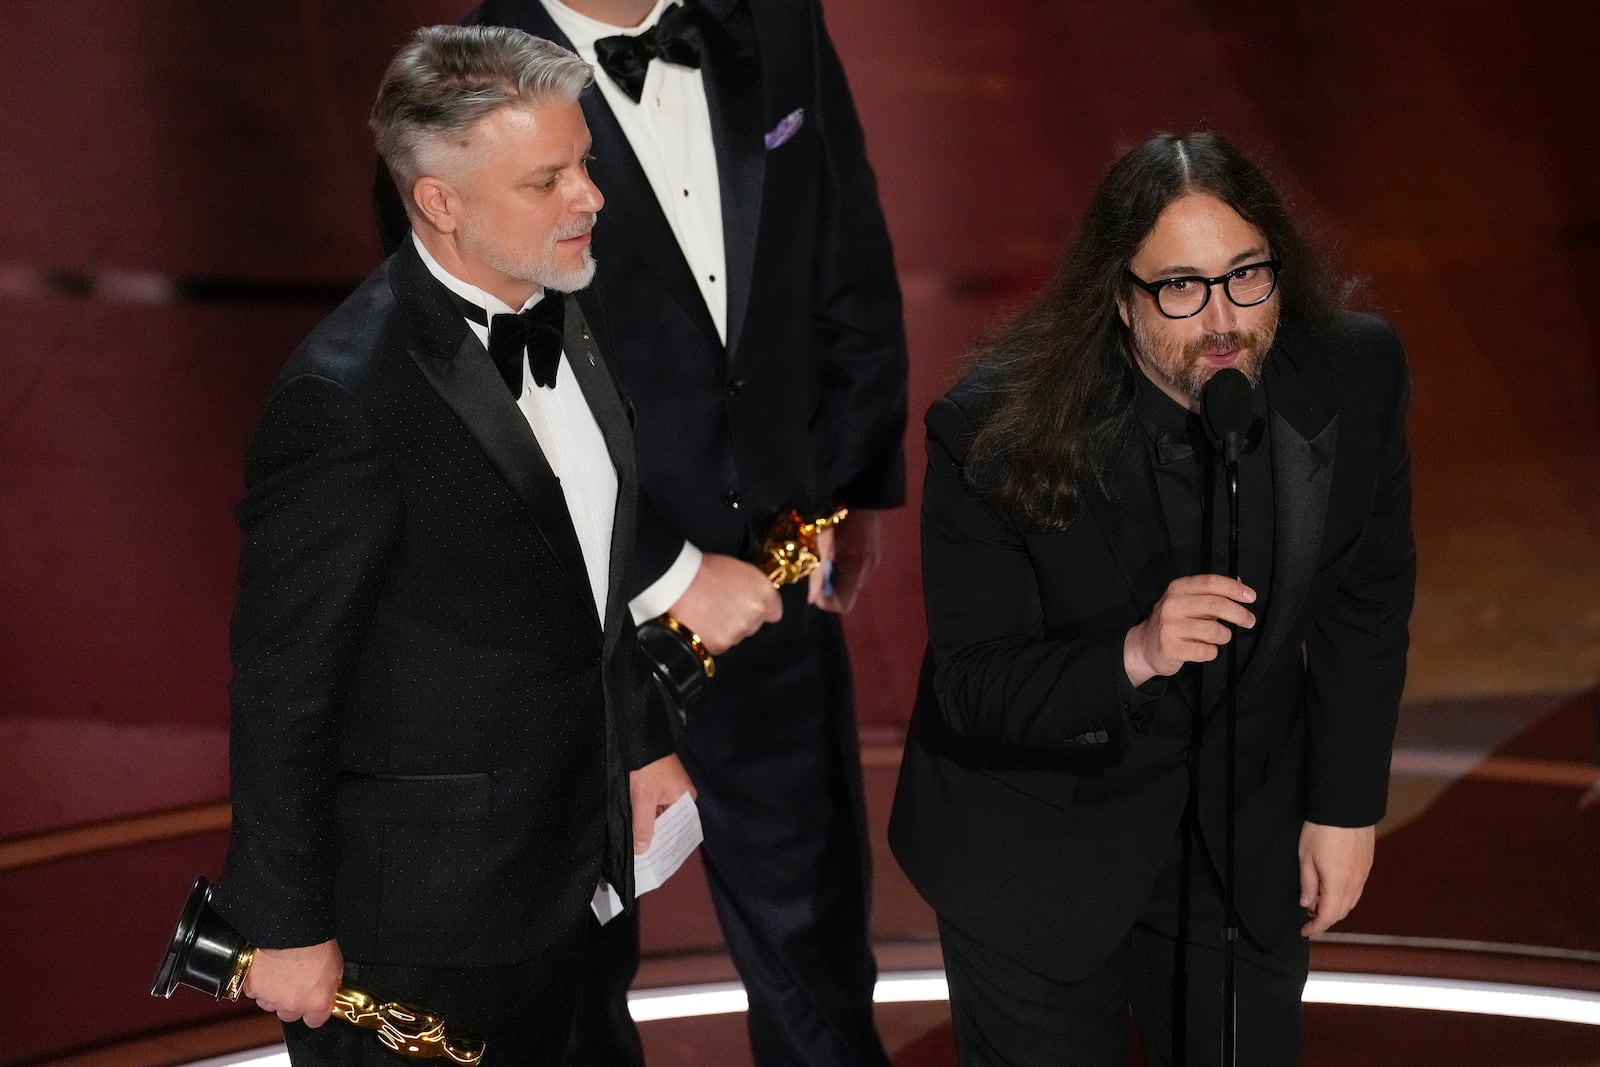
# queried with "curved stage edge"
point(1387, 1000)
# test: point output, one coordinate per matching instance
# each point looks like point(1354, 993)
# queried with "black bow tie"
point(539, 331)
point(675, 38)
point(1173, 445)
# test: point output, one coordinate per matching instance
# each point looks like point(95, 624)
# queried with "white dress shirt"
point(567, 433)
point(669, 130)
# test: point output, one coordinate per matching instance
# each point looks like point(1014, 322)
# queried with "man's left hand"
point(654, 787)
point(1334, 864)
point(852, 549)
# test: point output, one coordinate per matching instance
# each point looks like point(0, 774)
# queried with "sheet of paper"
point(677, 834)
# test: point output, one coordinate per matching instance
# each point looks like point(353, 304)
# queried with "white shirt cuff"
point(665, 590)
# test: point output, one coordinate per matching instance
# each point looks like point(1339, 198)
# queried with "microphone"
point(1227, 410)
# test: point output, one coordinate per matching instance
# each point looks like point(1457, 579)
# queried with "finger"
point(1310, 882)
point(1214, 585)
point(1320, 923)
point(644, 826)
point(1211, 607)
point(816, 586)
point(1224, 610)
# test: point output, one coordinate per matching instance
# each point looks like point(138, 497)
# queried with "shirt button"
point(734, 386)
point(733, 498)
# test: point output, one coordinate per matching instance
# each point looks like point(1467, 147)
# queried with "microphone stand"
point(1230, 921)
point(1226, 409)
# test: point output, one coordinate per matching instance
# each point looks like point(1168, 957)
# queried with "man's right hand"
point(1186, 626)
point(728, 601)
point(296, 983)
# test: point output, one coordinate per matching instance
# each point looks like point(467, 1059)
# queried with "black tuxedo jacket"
point(805, 404)
point(1039, 793)
point(432, 726)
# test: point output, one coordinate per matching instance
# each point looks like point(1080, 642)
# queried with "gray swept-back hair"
point(449, 77)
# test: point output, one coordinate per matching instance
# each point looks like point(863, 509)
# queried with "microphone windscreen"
point(1225, 405)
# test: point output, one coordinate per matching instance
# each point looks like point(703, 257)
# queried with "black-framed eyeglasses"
point(1186, 296)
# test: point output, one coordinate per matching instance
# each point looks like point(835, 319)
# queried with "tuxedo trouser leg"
point(1178, 964)
point(775, 756)
point(1006, 1015)
point(522, 1012)
point(603, 1032)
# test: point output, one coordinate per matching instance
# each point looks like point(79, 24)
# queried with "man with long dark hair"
point(1063, 798)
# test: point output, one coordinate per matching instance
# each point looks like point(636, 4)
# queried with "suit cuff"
point(664, 592)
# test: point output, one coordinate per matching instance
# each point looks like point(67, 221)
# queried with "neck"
point(447, 253)
point(624, 14)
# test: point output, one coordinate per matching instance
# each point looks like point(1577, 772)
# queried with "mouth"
point(1221, 359)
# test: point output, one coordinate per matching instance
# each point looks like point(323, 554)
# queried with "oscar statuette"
point(208, 954)
point(681, 664)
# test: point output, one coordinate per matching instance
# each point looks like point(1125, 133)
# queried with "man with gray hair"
point(443, 736)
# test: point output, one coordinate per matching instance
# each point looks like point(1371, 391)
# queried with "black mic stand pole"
point(1230, 922)
point(1226, 409)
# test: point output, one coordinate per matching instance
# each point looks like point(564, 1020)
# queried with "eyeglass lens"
point(1245, 286)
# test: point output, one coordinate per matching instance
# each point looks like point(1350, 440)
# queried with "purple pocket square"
point(785, 129)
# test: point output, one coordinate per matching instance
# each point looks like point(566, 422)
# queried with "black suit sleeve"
point(320, 513)
point(1356, 649)
point(1001, 684)
point(859, 331)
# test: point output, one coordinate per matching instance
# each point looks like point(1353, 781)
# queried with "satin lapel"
point(632, 218)
point(1133, 525)
point(460, 370)
point(1304, 436)
point(736, 96)
point(612, 416)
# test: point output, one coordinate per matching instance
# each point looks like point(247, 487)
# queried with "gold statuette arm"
point(410, 1031)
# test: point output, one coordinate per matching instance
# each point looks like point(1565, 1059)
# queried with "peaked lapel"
point(460, 370)
point(731, 71)
point(611, 414)
point(1303, 439)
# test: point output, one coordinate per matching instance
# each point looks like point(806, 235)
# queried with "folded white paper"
point(677, 834)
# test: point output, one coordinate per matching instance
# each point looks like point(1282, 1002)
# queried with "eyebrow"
point(1249, 255)
point(550, 169)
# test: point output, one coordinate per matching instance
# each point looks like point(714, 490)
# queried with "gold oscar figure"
point(208, 954)
point(679, 660)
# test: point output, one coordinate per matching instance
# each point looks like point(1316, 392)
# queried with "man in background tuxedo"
point(438, 696)
point(1063, 797)
point(746, 270)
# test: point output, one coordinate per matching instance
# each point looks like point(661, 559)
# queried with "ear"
point(437, 203)
point(1122, 309)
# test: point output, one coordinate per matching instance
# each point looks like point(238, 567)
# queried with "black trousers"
point(522, 1012)
point(1165, 977)
point(774, 753)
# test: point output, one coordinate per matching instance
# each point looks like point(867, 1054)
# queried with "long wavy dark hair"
point(1062, 371)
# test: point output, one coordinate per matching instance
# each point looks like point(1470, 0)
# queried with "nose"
point(587, 197)
point(1220, 314)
